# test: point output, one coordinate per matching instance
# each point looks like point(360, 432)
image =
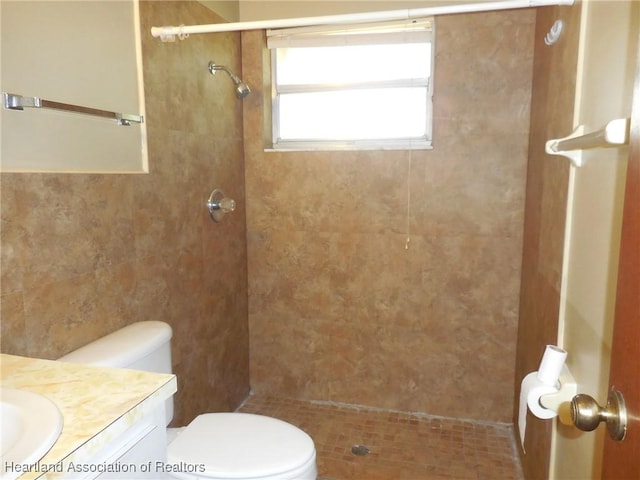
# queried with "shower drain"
point(360, 450)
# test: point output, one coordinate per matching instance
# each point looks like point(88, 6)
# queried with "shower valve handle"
point(226, 205)
point(219, 205)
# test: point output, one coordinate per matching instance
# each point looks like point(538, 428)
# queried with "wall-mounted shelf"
point(614, 134)
point(11, 101)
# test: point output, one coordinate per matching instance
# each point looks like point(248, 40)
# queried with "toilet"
point(238, 446)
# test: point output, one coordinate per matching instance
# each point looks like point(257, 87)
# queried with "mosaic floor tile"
point(400, 446)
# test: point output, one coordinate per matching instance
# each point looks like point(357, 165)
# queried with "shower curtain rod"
point(169, 33)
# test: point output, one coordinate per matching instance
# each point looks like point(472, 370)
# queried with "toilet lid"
point(239, 445)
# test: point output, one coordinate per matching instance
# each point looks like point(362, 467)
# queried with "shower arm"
point(213, 68)
point(242, 89)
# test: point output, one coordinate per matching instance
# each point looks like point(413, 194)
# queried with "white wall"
point(227, 9)
point(80, 53)
point(270, 9)
point(605, 75)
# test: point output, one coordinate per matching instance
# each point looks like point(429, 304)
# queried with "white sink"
point(31, 424)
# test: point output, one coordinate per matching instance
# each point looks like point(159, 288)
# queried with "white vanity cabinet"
point(139, 452)
point(114, 419)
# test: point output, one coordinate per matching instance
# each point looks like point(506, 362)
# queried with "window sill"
point(296, 146)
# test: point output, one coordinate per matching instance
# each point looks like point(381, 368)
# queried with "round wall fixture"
point(554, 33)
point(219, 205)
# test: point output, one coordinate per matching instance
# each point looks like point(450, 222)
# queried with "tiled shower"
point(427, 328)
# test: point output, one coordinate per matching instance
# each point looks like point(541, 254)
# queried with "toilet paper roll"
point(538, 383)
point(531, 390)
point(551, 364)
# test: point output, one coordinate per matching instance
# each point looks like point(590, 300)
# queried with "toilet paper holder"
point(560, 401)
point(547, 392)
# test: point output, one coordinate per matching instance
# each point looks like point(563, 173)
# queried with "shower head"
point(242, 89)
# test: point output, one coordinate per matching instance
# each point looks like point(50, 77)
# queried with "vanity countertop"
point(97, 403)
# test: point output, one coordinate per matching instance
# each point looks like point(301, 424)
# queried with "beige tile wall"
point(339, 310)
point(83, 255)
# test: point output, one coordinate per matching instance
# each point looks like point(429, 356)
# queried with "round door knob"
point(587, 414)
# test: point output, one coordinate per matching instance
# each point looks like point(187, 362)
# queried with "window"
point(363, 86)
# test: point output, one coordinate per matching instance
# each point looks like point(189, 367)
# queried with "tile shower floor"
point(401, 446)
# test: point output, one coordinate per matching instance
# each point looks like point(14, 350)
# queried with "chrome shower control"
point(219, 205)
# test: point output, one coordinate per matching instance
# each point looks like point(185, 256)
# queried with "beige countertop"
point(97, 403)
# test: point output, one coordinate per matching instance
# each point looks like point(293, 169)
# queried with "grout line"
point(405, 412)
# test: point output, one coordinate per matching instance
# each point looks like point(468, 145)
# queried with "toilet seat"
point(241, 446)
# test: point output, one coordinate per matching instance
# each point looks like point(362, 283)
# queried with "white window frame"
point(391, 32)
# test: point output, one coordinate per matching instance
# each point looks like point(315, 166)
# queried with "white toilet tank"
point(139, 346)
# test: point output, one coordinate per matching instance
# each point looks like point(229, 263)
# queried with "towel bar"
point(614, 134)
point(12, 101)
